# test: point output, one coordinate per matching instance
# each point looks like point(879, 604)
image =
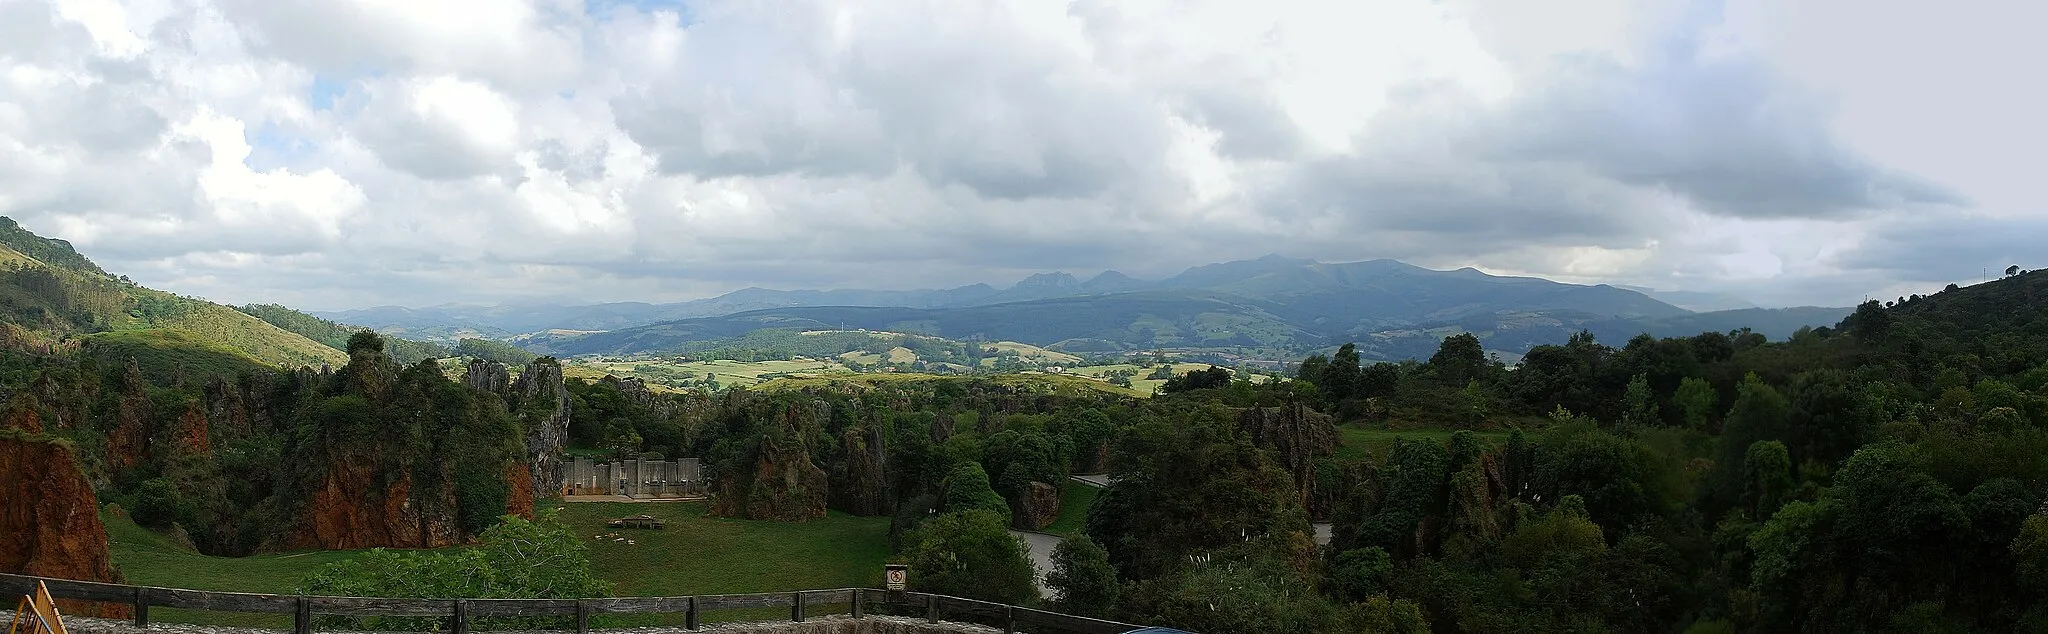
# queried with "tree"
point(1340, 378)
point(2012, 270)
point(1760, 413)
point(970, 554)
point(516, 559)
point(1459, 359)
point(1360, 573)
point(365, 340)
point(1638, 404)
point(1381, 615)
point(1768, 477)
point(1082, 580)
point(1212, 378)
point(968, 489)
point(1697, 401)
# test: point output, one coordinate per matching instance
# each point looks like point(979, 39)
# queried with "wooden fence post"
point(302, 617)
point(690, 616)
point(141, 609)
point(858, 595)
point(582, 617)
point(931, 609)
point(461, 625)
point(796, 610)
point(1009, 619)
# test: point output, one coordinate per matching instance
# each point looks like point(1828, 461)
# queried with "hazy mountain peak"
point(1056, 279)
point(1112, 281)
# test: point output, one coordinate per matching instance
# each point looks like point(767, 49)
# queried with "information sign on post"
point(898, 574)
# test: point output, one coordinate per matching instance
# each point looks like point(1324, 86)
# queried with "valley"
point(1428, 446)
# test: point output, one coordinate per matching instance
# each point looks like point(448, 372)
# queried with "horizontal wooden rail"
point(460, 611)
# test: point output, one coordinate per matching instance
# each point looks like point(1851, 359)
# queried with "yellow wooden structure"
point(37, 614)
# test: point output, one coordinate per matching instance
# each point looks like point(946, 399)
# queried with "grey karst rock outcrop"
point(540, 402)
point(1295, 432)
point(487, 376)
point(780, 482)
point(861, 485)
point(635, 390)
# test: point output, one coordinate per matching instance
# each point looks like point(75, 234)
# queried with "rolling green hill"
point(48, 287)
point(333, 335)
point(1183, 320)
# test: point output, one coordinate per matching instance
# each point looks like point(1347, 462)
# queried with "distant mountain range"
point(1267, 306)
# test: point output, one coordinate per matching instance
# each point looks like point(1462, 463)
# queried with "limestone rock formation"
point(942, 428)
point(861, 486)
point(487, 376)
point(21, 414)
point(187, 434)
point(541, 403)
point(1298, 434)
point(520, 479)
point(1037, 507)
point(635, 390)
point(783, 483)
point(350, 510)
point(227, 409)
point(128, 443)
point(51, 518)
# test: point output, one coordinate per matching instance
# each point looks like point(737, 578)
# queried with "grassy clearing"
point(1074, 500)
point(695, 554)
point(727, 372)
point(1029, 351)
point(163, 354)
point(147, 558)
point(1355, 441)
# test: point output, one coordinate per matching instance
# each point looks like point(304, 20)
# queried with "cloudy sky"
point(348, 153)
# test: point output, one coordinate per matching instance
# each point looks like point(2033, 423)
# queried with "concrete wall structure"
point(683, 477)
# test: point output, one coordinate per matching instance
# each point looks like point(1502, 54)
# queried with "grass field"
point(1356, 441)
point(149, 559)
point(695, 554)
point(1074, 500)
point(727, 372)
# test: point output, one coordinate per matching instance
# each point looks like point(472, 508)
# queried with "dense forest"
point(1885, 474)
point(372, 453)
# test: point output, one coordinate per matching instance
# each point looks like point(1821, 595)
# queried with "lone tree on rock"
point(2012, 270)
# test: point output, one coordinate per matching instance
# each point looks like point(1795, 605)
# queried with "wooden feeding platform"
point(636, 521)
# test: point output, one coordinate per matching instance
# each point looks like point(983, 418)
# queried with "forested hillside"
point(1271, 307)
point(333, 335)
point(1884, 474)
point(48, 291)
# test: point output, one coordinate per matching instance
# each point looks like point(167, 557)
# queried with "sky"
point(332, 154)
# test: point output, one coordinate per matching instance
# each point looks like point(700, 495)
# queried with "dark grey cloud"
point(535, 152)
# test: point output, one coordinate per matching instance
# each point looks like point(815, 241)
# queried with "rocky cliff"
point(134, 422)
point(351, 509)
point(1298, 434)
point(783, 483)
point(541, 403)
point(50, 518)
point(860, 484)
point(1037, 507)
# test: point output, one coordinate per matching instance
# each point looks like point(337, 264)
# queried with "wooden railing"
point(860, 602)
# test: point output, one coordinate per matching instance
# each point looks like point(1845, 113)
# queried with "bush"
point(1082, 580)
point(517, 559)
point(970, 554)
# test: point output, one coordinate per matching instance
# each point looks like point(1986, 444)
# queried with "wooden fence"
point(860, 602)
